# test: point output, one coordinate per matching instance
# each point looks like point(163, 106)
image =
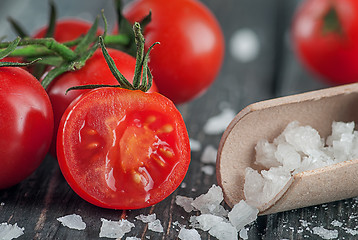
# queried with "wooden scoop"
point(266, 120)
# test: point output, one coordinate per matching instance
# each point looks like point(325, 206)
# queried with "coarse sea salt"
point(195, 145)
point(188, 234)
point(214, 218)
point(9, 231)
point(297, 149)
point(325, 233)
point(208, 170)
point(115, 229)
point(72, 221)
point(209, 155)
point(217, 124)
point(154, 224)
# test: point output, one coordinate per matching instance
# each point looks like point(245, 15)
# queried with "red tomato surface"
point(192, 45)
point(123, 149)
point(26, 125)
point(95, 71)
point(331, 54)
point(67, 29)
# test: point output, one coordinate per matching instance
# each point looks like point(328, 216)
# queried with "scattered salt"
point(2, 204)
point(208, 169)
point(218, 124)
point(325, 233)
point(183, 185)
point(243, 234)
point(244, 45)
point(185, 202)
point(337, 223)
point(154, 224)
point(242, 214)
point(209, 154)
point(195, 145)
point(115, 229)
point(9, 231)
point(210, 202)
point(72, 221)
point(132, 238)
point(188, 234)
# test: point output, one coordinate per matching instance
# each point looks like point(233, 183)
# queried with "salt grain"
point(242, 214)
point(325, 233)
point(244, 45)
point(2, 204)
point(195, 145)
point(132, 238)
point(209, 154)
point(153, 223)
point(115, 229)
point(188, 234)
point(185, 202)
point(336, 223)
point(72, 221)
point(243, 234)
point(218, 124)
point(208, 170)
point(9, 231)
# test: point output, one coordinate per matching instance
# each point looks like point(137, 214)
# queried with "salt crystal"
point(188, 234)
point(208, 169)
point(244, 45)
point(205, 221)
point(336, 223)
point(147, 219)
point(242, 214)
point(72, 221)
point(325, 233)
point(9, 231)
point(153, 223)
point(209, 154)
point(155, 226)
point(2, 204)
point(185, 202)
point(115, 229)
point(243, 234)
point(223, 231)
point(132, 238)
point(183, 185)
point(210, 202)
point(218, 123)
point(195, 145)
point(351, 231)
point(265, 154)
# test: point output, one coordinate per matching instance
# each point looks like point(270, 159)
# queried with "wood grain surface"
point(37, 202)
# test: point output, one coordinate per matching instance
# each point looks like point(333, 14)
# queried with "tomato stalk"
point(142, 79)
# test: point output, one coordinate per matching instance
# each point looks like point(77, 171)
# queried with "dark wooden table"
point(37, 202)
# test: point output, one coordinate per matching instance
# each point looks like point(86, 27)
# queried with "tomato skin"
point(191, 48)
point(333, 56)
point(95, 71)
point(108, 135)
point(26, 125)
point(67, 29)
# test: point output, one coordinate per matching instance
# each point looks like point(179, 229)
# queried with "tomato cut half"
point(123, 149)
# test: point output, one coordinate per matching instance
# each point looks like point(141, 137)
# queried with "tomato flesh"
point(128, 150)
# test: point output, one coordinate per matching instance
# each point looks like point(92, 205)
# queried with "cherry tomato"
point(95, 71)
point(325, 38)
point(190, 55)
point(26, 125)
point(67, 29)
point(123, 149)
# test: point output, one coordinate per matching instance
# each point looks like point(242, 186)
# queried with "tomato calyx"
point(331, 22)
point(142, 79)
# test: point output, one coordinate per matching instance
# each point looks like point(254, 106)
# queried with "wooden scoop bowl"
point(266, 120)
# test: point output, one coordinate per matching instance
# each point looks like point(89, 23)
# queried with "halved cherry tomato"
point(95, 71)
point(26, 125)
point(123, 149)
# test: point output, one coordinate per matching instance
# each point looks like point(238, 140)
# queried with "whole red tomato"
point(192, 45)
point(325, 38)
point(26, 125)
point(123, 149)
point(95, 71)
point(67, 29)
